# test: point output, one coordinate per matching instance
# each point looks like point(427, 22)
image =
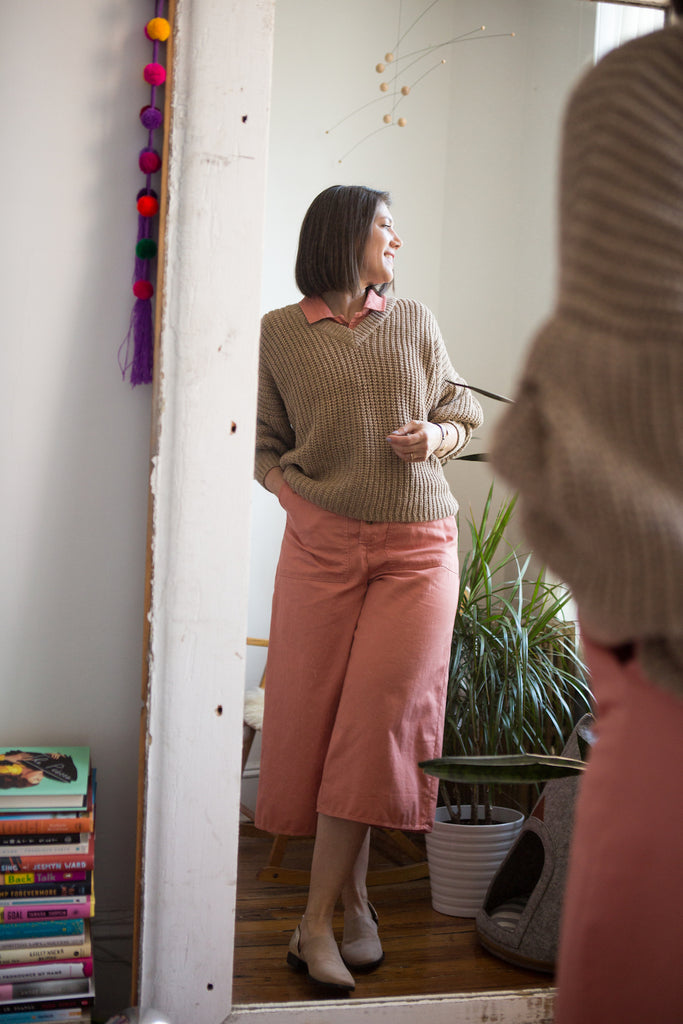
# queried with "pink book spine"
point(51, 912)
point(38, 877)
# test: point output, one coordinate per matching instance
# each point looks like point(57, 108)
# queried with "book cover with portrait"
point(43, 777)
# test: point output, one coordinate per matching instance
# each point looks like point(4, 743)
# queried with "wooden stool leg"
point(273, 872)
point(277, 851)
point(394, 843)
point(248, 735)
point(397, 846)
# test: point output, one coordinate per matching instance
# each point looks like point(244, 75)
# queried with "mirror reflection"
point(471, 172)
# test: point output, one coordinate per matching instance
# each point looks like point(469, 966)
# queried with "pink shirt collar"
point(315, 308)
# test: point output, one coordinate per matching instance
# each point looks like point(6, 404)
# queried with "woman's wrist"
point(273, 480)
point(449, 438)
point(443, 439)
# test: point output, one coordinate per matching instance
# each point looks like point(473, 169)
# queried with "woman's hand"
point(415, 441)
point(273, 480)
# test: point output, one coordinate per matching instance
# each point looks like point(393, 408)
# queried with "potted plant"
point(519, 918)
point(516, 683)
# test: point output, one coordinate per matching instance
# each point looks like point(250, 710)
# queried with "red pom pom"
point(150, 161)
point(148, 206)
point(154, 74)
point(143, 289)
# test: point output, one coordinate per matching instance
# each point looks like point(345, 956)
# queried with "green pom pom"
point(146, 249)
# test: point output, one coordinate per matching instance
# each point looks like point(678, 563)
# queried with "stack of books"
point(47, 897)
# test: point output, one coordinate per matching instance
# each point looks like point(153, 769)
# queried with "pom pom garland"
point(143, 289)
point(149, 161)
point(148, 206)
point(136, 350)
point(154, 74)
point(158, 28)
point(151, 118)
point(146, 249)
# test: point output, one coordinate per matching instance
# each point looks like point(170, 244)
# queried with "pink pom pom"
point(149, 161)
point(154, 74)
point(143, 289)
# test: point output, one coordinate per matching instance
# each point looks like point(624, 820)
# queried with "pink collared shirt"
point(315, 308)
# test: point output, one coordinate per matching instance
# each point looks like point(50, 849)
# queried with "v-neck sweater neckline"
point(363, 330)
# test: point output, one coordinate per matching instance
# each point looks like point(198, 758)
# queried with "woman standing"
point(358, 407)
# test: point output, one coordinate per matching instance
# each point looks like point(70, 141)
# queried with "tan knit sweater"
point(595, 441)
point(329, 397)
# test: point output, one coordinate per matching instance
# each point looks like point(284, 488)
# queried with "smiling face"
point(377, 266)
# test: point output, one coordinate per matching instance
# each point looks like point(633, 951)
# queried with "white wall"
point(74, 436)
point(472, 175)
point(506, 103)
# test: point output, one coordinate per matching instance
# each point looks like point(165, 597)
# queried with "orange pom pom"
point(158, 28)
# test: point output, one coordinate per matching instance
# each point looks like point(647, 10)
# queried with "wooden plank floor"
point(427, 953)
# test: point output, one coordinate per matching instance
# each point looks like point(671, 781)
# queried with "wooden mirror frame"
point(202, 456)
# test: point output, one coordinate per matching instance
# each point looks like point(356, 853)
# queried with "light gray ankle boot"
point(361, 949)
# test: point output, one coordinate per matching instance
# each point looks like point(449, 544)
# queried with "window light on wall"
point(616, 24)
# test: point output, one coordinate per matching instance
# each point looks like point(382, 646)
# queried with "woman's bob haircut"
point(332, 239)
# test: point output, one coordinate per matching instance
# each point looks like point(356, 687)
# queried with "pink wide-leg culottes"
point(357, 670)
point(621, 941)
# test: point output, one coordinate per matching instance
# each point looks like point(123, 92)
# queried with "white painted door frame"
point(201, 484)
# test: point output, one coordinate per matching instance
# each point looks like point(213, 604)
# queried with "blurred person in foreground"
point(594, 445)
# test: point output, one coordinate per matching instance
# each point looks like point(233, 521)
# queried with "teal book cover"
point(43, 778)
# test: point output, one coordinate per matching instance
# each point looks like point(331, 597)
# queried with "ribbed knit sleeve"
point(329, 397)
point(453, 402)
point(594, 443)
point(274, 434)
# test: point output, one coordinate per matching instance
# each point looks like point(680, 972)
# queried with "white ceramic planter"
point(464, 858)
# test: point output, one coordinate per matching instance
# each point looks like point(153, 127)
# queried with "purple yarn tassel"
point(144, 231)
point(141, 329)
point(143, 342)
